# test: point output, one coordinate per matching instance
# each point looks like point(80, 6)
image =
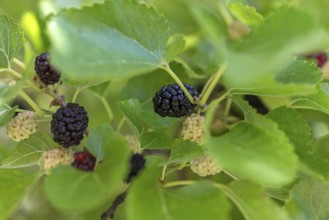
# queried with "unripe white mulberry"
point(22, 126)
point(194, 128)
point(133, 143)
point(205, 166)
point(8, 81)
point(55, 157)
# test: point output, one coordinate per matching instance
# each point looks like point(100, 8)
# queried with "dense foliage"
point(247, 139)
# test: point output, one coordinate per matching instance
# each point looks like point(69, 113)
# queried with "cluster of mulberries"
point(84, 161)
point(171, 101)
point(194, 130)
point(69, 124)
point(204, 166)
point(22, 126)
point(55, 157)
point(45, 70)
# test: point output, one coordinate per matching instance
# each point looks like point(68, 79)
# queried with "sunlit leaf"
point(27, 152)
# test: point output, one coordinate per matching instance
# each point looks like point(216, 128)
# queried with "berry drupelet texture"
point(171, 101)
point(22, 126)
point(55, 157)
point(137, 162)
point(68, 124)
point(45, 70)
point(205, 166)
point(84, 161)
point(194, 128)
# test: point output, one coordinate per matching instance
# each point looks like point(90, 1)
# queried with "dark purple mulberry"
point(68, 124)
point(137, 162)
point(45, 70)
point(84, 161)
point(171, 101)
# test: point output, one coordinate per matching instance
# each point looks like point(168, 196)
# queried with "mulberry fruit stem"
point(105, 104)
point(227, 107)
point(167, 68)
point(179, 183)
point(225, 14)
point(107, 108)
point(14, 73)
point(212, 84)
point(19, 63)
point(29, 101)
point(19, 76)
point(206, 85)
point(217, 101)
point(120, 124)
point(77, 91)
point(163, 174)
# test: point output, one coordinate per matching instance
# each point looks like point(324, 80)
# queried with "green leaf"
point(187, 69)
point(6, 114)
point(123, 38)
point(145, 91)
point(249, 197)
point(154, 120)
point(210, 22)
point(156, 139)
point(27, 152)
point(297, 78)
point(132, 109)
point(309, 200)
point(318, 8)
point(254, 149)
point(8, 92)
point(266, 52)
point(101, 88)
point(3, 154)
point(300, 71)
point(147, 200)
point(300, 134)
point(183, 151)
point(318, 101)
point(250, 152)
point(245, 13)
point(13, 187)
point(81, 190)
point(97, 139)
point(176, 46)
point(11, 40)
point(53, 7)
point(298, 27)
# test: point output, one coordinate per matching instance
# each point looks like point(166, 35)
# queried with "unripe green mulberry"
point(205, 166)
point(194, 128)
point(55, 157)
point(22, 126)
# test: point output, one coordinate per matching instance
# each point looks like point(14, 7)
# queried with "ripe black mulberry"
point(68, 124)
point(137, 163)
point(45, 70)
point(171, 101)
